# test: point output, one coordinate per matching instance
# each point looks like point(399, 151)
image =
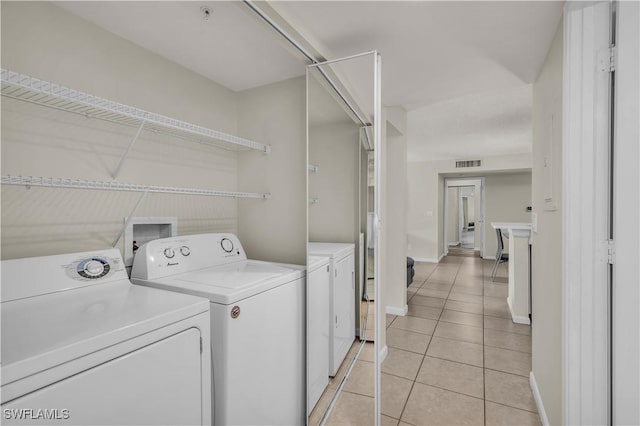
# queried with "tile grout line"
point(429, 344)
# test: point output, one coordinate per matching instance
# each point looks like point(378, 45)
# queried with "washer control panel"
point(168, 256)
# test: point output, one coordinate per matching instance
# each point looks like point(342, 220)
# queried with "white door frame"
point(585, 167)
point(480, 215)
point(626, 269)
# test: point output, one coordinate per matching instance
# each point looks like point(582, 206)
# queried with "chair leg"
point(495, 265)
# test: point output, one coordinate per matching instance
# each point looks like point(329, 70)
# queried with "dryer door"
point(157, 384)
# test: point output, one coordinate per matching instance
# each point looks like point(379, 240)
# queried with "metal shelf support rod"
point(126, 153)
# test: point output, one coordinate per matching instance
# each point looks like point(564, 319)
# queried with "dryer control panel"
point(168, 256)
point(36, 276)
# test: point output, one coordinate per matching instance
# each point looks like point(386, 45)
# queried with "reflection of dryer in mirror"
point(342, 299)
point(318, 284)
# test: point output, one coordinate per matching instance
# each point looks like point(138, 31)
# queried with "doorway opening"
point(463, 217)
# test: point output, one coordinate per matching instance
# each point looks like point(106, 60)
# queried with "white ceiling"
point(463, 70)
point(230, 48)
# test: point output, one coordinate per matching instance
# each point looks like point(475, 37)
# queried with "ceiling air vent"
point(468, 163)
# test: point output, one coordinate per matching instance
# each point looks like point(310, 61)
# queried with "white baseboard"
point(383, 354)
point(518, 319)
point(426, 259)
point(429, 259)
point(490, 257)
point(394, 310)
point(454, 243)
point(538, 398)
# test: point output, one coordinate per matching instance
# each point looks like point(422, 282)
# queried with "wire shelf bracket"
point(25, 88)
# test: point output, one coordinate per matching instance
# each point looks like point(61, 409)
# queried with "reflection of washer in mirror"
point(343, 118)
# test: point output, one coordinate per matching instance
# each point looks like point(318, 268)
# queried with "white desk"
point(519, 239)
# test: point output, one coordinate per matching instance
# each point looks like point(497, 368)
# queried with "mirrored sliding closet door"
point(342, 136)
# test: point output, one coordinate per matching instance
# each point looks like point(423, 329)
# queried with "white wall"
point(425, 231)
point(547, 244)
point(335, 149)
point(275, 113)
point(44, 41)
point(507, 197)
point(395, 294)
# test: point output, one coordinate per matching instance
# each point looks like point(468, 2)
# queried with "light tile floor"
point(456, 358)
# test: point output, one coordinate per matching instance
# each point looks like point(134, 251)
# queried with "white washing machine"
point(318, 283)
point(257, 323)
point(81, 345)
point(342, 317)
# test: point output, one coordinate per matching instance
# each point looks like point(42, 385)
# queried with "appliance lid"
point(230, 283)
point(42, 332)
point(317, 262)
point(333, 250)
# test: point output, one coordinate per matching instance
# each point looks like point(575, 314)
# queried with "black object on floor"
point(410, 271)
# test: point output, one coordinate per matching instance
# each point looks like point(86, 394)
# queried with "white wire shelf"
point(117, 186)
point(24, 88)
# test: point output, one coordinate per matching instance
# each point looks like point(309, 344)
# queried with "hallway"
point(442, 368)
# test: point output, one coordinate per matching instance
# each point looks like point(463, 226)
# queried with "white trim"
point(383, 354)
point(626, 294)
point(517, 318)
point(453, 243)
point(538, 398)
point(394, 310)
point(585, 180)
point(429, 259)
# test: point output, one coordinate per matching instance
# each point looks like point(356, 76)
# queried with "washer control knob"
point(169, 253)
point(185, 251)
point(227, 245)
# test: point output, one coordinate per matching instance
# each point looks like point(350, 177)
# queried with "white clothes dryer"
point(318, 283)
point(81, 345)
point(342, 308)
point(257, 323)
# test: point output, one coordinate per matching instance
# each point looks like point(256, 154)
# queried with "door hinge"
point(607, 59)
point(611, 252)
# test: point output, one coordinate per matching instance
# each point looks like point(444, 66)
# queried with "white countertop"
point(511, 225)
